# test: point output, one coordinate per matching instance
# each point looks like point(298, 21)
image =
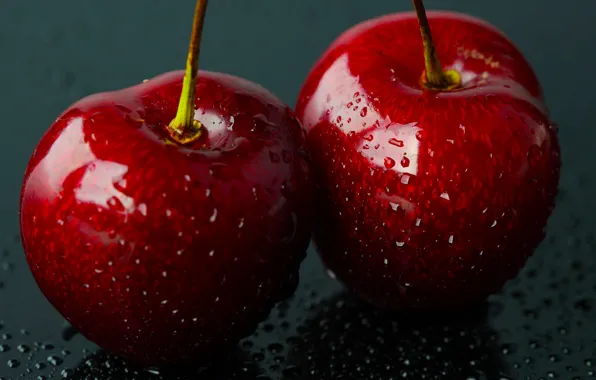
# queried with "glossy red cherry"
point(162, 246)
point(434, 182)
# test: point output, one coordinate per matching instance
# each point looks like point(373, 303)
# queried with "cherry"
point(165, 241)
point(435, 178)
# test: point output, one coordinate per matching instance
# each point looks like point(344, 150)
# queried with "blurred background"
point(541, 326)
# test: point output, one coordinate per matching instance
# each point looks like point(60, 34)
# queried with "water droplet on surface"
point(66, 373)
point(405, 162)
point(389, 162)
point(54, 360)
point(13, 363)
point(396, 142)
point(213, 216)
point(23, 348)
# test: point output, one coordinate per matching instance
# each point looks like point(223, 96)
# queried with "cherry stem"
point(184, 128)
point(435, 77)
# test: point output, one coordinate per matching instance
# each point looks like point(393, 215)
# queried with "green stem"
point(435, 77)
point(184, 128)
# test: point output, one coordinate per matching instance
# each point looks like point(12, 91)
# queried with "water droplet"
point(213, 216)
point(13, 363)
point(331, 274)
point(363, 112)
point(66, 373)
point(396, 142)
point(405, 162)
point(400, 243)
point(23, 348)
point(389, 162)
point(54, 360)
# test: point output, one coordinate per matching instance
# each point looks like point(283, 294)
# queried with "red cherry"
point(434, 185)
point(162, 247)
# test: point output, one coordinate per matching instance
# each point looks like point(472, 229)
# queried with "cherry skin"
point(162, 252)
point(427, 199)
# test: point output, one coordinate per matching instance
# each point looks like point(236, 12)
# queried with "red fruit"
point(434, 186)
point(161, 251)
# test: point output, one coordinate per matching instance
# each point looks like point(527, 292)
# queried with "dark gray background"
point(541, 326)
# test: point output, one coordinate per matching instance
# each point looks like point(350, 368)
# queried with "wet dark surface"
point(541, 326)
